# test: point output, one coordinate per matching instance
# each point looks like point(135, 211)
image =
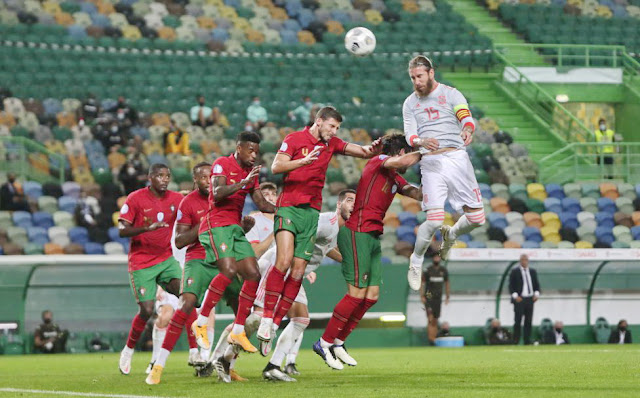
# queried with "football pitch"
point(534, 371)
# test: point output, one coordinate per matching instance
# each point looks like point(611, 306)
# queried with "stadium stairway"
point(481, 91)
point(490, 26)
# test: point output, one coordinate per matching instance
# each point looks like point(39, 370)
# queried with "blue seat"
point(22, 219)
point(67, 203)
point(605, 235)
point(571, 205)
point(485, 190)
point(407, 218)
point(555, 191)
point(569, 220)
point(406, 234)
point(466, 238)
point(607, 205)
point(498, 220)
point(532, 234)
point(71, 188)
point(79, 235)
point(32, 189)
point(476, 244)
point(635, 232)
point(93, 248)
point(448, 208)
point(553, 204)
point(605, 220)
point(43, 219)
point(529, 244)
point(114, 236)
point(38, 235)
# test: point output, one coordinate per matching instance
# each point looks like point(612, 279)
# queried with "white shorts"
point(450, 176)
point(164, 298)
point(266, 264)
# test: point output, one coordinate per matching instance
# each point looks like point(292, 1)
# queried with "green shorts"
point(361, 258)
point(197, 277)
point(302, 222)
point(144, 281)
point(223, 242)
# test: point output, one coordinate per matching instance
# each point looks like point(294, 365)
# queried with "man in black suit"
point(556, 336)
point(525, 290)
point(621, 334)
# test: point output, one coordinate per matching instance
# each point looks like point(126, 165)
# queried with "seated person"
point(499, 335)
point(445, 330)
point(621, 334)
point(556, 336)
point(48, 337)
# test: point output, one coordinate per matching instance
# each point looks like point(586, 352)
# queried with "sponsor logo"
point(223, 247)
point(200, 211)
point(234, 174)
point(147, 210)
point(306, 253)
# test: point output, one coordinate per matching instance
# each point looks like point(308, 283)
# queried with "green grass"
point(571, 371)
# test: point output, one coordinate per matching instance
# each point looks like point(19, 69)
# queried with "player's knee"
point(435, 219)
point(187, 302)
point(476, 218)
point(146, 310)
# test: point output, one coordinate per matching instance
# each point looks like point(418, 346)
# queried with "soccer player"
point(431, 289)
point(261, 235)
point(303, 158)
point(359, 244)
point(436, 111)
point(146, 218)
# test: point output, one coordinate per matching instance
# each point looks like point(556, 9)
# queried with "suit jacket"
point(500, 337)
point(550, 337)
point(515, 281)
point(614, 338)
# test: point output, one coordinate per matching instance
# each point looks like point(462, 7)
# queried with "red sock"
point(214, 292)
point(289, 293)
point(355, 318)
point(245, 300)
point(341, 314)
point(273, 289)
point(191, 338)
point(174, 329)
point(137, 327)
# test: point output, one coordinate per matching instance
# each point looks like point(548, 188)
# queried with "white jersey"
point(437, 115)
point(261, 230)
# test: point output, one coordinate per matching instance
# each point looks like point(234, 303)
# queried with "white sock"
point(126, 349)
point(222, 345)
point(202, 320)
point(325, 344)
point(162, 357)
point(252, 323)
point(193, 351)
point(232, 362)
point(467, 223)
point(293, 352)
point(288, 338)
point(237, 329)
point(338, 342)
point(229, 353)
point(435, 218)
point(157, 338)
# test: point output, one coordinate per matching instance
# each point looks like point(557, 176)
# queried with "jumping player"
point(146, 218)
point(359, 244)
point(437, 111)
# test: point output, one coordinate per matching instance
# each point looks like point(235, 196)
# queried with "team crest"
point(442, 99)
point(189, 281)
point(160, 216)
point(288, 221)
point(223, 247)
point(394, 188)
point(173, 208)
point(365, 277)
point(142, 291)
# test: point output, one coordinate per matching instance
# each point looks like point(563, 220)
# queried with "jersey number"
point(433, 113)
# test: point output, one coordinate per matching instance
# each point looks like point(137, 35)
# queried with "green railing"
point(580, 162)
point(30, 160)
point(562, 123)
point(571, 55)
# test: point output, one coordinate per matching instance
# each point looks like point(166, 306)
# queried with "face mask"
point(559, 330)
point(308, 104)
point(445, 330)
point(201, 103)
point(256, 103)
point(131, 170)
point(47, 320)
point(623, 328)
point(496, 329)
point(603, 127)
point(114, 129)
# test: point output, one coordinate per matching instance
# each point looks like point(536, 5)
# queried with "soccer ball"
point(360, 41)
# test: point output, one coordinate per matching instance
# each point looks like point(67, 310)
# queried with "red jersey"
point(376, 189)
point(142, 209)
point(191, 210)
point(229, 210)
point(304, 184)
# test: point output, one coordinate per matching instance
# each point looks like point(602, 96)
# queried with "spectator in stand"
point(124, 113)
point(257, 114)
point(202, 115)
point(85, 213)
point(89, 110)
point(445, 330)
point(497, 334)
point(11, 195)
point(48, 337)
point(605, 135)
point(621, 334)
point(301, 115)
point(132, 176)
point(556, 336)
point(176, 141)
point(112, 136)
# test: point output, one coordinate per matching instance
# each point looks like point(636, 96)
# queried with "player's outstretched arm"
point(221, 190)
point(402, 161)
point(412, 192)
point(263, 205)
point(335, 255)
point(284, 164)
point(364, 151)
point(127, 230)
point(185, 235)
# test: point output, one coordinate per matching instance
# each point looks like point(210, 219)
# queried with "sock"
point(435, 218)
point(137, 327)
point(222, 345)
point(157, 337)
point(191, 338)
point(354, 319)
point(162, 357)
point(229, 354)
point(174, 330)
point(288, 339)
point(245, 303)
point(293, 352)
point(467, 223)
point(214, 293)
point(193, 351)
point(289, 293)
point(273, 289)
point(341, 314)
point(232, 362)
point(252, 323)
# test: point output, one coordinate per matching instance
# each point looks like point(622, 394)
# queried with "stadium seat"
point(42, 219)
point(22, 219)
point(79, 235)
point(93, 248)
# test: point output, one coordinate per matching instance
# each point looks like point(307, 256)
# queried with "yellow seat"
point(114, 218)
point(206, 22)
point(551, 219)
point(536, 191)
point(550, 234)
point(609, 190)
point(335, 27)
point(64, 19)
point(581, 244)
point(131, 32)
point(374, 16)
point(167, 33)
point(279, 14)
point(306, 37)
point(51, 7)
point(459, 245)
point(228, 12)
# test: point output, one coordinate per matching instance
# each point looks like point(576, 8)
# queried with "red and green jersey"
point(228, 211)
point(142, 209)
point(304, 184)
point(191, 210)
point(376, 189)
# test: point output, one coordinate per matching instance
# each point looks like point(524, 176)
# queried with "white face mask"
point(131, 170)
point(256, 103)
point(114, 129)
point(603, 127)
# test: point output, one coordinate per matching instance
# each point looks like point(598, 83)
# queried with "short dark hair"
point(601, 120)
point(393, 143)
point(249, 136)
point(268, 185)
point(343, 194)
point(154, 168)
point(329, 112)
point(421, 60)
point(201, 164)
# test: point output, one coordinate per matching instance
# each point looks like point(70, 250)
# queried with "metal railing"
point(587, 55)
point(31, 160)
point(586, 162)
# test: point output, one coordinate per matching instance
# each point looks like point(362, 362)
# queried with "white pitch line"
point(76, 394)
point(564, 351)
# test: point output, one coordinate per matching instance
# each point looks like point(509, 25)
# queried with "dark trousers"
point(523, 309)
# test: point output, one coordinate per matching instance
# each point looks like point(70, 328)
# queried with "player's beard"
point(427, 89)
